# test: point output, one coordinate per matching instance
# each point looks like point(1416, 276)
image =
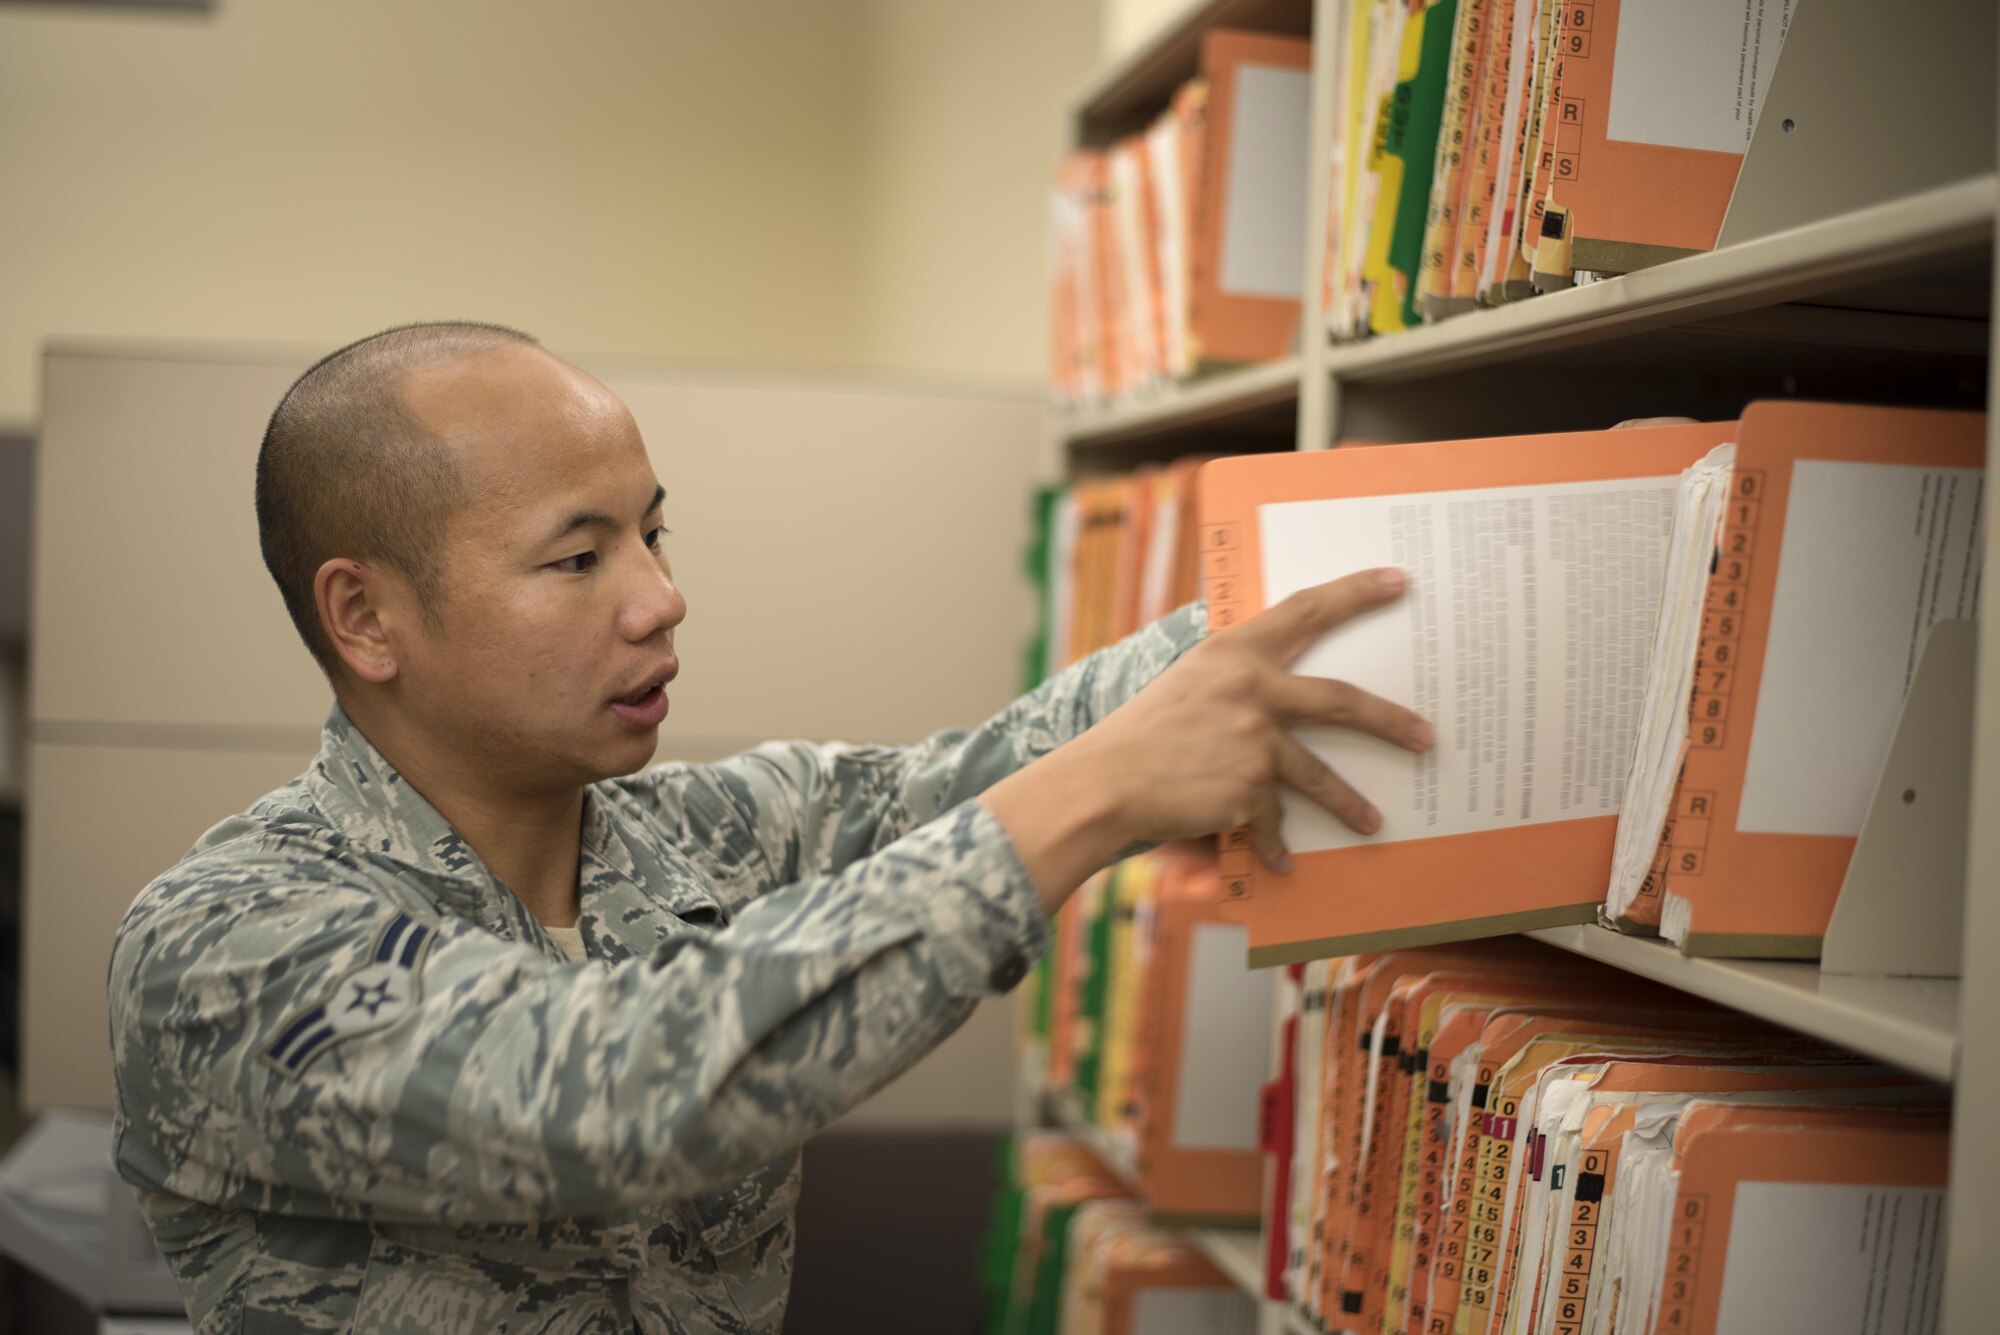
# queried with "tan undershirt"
point(569, 940)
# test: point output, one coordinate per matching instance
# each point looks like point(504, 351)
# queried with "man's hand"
point(1205, 746)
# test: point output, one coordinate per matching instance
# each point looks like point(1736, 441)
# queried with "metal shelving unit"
point(1887, 302)
point(1118, 98)
point(1840, 271)
point(1237, 1252)
point(1214, 400)
point(1906, 1022)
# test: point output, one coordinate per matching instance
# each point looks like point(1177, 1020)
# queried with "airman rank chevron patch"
point(372, 997)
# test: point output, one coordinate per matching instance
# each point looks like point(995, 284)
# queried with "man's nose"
point(652, 602)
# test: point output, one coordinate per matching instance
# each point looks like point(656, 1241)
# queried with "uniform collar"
point(377, 810)
point(364, 797)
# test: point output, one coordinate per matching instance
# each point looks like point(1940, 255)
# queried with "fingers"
point(1300, 769)
point(1285, 631)
point(1266, 839)
point(1341, 705)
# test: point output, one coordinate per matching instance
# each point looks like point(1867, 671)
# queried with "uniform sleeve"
point(285, 1038)
point(286, 1042)
point(815, 809)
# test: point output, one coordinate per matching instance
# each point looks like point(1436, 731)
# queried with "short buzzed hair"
point(345, 470)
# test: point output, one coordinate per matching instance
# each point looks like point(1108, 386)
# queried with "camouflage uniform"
point(359, 1088)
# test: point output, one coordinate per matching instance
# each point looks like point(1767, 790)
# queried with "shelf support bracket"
point(1902, 905)
point(1822, 147)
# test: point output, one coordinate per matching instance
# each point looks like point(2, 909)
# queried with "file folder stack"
point(1139, 1014)
point(1826, 544)
point(1503, 1140)
point(1484, 150)
point(1664, 665)
point(1113, 554)
point(1178, 248)
point(1153, 1032)
point(1050, 1176)
point(1083, 1260)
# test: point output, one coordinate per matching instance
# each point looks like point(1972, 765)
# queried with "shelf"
point(1210, 401)
point(1124, 95)
point(1237, 1253)
point(1907, 1022)
point(1847, 270)
point(1063, 1110)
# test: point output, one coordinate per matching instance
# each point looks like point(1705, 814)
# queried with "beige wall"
point(845, 184)
point(840, 183)
point(851, 184)
point(961, 123)
point(1126, 23)
point(849, 550)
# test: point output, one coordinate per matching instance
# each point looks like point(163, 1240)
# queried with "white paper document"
point(1692, 73)
point(1524, 638)
point(1833, 1259)
point(1264, 213)
point(1663, 713)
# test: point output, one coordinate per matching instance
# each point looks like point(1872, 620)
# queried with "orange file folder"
point(1242, 308)
point(1653, 117)
point(1155, 1285)
point(1188, 1169)
point(1847, 533)
point(1351, 1064)
point(1567, 1280)
point(1767, 1199)
point(1584, 515)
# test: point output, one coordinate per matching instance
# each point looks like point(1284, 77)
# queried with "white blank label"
point(1264, 205)
point(1193, 1312)
point(1225, 1042)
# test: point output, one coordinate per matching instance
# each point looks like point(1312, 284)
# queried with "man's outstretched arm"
point(814, 809)
point(300, 1043)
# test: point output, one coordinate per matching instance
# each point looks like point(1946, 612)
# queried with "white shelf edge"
point(1213, 398)
point(1122, 69)
point(1065, 1112)
point(1237, 1253)
point(1907, 1022)
point(1165, 45)
point(1771, 269)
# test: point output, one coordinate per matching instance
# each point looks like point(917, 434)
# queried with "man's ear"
point(352, 599)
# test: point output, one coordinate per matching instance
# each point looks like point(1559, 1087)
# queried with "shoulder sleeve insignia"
point(375, 995)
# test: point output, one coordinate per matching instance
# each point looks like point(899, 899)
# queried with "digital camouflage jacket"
point(360, 1089)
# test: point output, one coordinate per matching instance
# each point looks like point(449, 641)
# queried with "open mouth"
point(648, 697)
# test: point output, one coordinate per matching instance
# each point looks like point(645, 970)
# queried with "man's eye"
point(653, 538)
point(577, 564)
